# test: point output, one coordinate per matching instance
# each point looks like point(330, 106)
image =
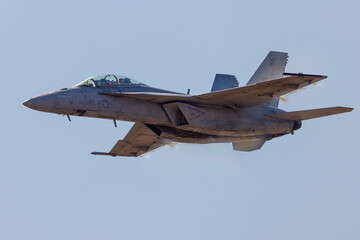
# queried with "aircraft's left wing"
point(139, 140)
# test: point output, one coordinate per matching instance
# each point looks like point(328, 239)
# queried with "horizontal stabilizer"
point(248, 145)
point(309, 114)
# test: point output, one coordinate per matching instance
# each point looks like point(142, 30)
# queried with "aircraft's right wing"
point(139, 140)
point(260, 92)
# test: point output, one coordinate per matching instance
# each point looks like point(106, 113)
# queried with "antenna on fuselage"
point(188, 91)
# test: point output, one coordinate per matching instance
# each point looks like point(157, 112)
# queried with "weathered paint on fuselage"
point(205, 123)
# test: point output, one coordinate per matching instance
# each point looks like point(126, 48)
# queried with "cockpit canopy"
point(107, 80)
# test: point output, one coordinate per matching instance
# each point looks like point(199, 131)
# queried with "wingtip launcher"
point(103, 154)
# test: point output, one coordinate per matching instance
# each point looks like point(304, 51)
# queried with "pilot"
point(113, 83)
point(126, 80)
point(103, 82)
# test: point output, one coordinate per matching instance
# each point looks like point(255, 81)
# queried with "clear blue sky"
point(304, 186)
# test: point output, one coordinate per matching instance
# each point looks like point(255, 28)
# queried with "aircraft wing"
point(260, 92)
point(139, 140)
point(246, 96)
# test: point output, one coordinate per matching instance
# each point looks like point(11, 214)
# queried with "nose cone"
point(27, 103)
point(45, 103)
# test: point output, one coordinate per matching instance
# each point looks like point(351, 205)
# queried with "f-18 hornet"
point(246, 116)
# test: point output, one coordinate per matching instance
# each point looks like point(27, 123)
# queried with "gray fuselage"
point(178, 121)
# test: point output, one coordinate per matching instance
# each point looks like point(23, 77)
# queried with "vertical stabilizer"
point(224, 81)
point(272, 67)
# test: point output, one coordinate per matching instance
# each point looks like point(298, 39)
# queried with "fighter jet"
point(246, 116)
